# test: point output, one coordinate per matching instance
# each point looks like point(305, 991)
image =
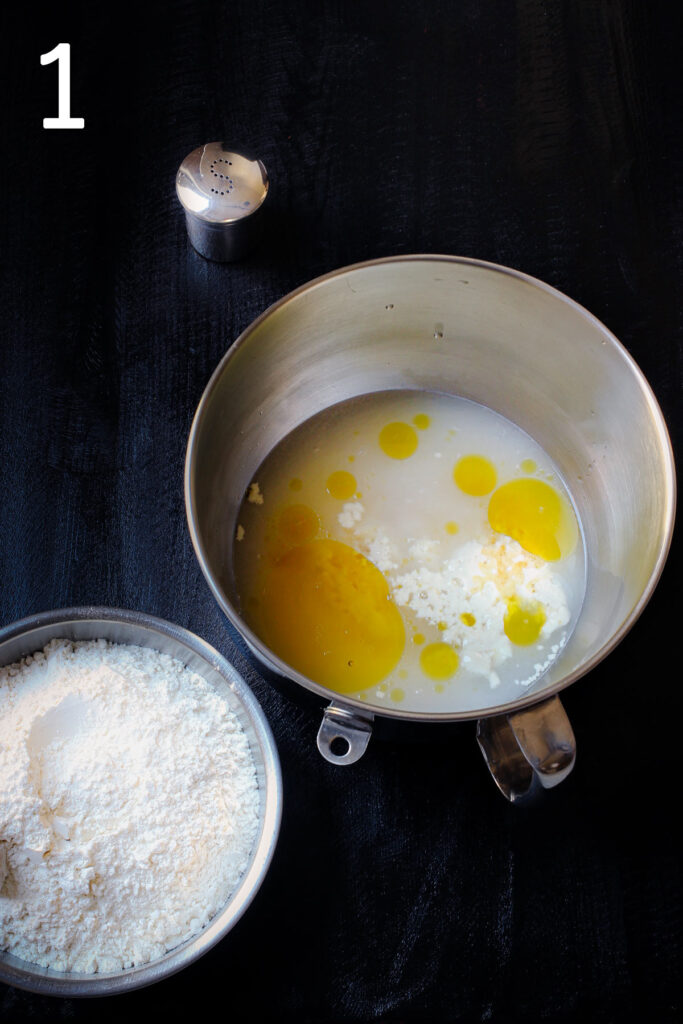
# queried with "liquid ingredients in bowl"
point(412, 550)
point(129, 805)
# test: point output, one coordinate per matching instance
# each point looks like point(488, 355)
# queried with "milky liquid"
point(379, 475)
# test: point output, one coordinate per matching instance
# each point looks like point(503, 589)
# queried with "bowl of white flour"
point(140, 800)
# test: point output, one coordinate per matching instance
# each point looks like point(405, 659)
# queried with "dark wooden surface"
point(543, 135)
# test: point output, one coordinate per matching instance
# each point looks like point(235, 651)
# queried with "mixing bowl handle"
point(344, 734)
point(528, 750)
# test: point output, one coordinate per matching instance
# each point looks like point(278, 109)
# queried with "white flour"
point(128, 805)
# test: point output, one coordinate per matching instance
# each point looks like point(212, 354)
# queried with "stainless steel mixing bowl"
point(495, 336)
point(125, 627)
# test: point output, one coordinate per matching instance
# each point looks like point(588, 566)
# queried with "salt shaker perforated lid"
point(222, 193)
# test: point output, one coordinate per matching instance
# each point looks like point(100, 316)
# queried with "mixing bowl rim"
point(21, 973)
point(368, 709)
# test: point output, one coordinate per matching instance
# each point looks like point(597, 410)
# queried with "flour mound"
point(128, 805)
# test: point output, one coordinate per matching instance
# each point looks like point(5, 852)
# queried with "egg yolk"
point(439, 661)
point(297, 523)
point(523, 622)
point(398, 440)
point(421, 421)
point(326, 611)
point(451, 528)
point(532, 513)
point(341, 485)
point(475, 475)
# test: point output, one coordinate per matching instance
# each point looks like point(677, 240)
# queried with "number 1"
point(62, 54)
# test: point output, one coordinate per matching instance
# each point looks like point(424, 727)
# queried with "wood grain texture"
point(543, 135)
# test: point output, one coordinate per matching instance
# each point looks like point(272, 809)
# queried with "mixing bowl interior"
point(465, 328)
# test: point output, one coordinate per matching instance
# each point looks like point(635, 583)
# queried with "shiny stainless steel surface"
point(464, 327)
point(531, 748)
point(126, 627)
point(344, 734)
point(222, 193)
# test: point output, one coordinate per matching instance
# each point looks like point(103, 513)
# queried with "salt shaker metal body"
point(222, 193)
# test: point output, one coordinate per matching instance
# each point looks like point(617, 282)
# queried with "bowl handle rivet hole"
point(339, 746)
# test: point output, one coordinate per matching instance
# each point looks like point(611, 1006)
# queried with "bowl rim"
point(366, 709)
point(46, 981)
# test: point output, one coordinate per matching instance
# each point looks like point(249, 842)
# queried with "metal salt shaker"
point(222, 193)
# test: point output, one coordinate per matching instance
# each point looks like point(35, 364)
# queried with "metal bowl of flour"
point(126, 627)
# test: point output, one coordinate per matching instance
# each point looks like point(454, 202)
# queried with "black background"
point(542, 135)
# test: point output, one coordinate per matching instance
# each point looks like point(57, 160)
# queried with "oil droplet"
point(441, 626)
point(438, 661)
point(397, 695)
point(468, 619)
point(523, 622)
point(398, 440)
point(528, 466)
point(533, 514)
point(418, 639)
point(295, 484)
point(297, 524)
point(475, 475)
point(341, 485)
point(439, 688)
point(452, 528)
point(352, 458)
point(402, 674)
point(421, 421)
